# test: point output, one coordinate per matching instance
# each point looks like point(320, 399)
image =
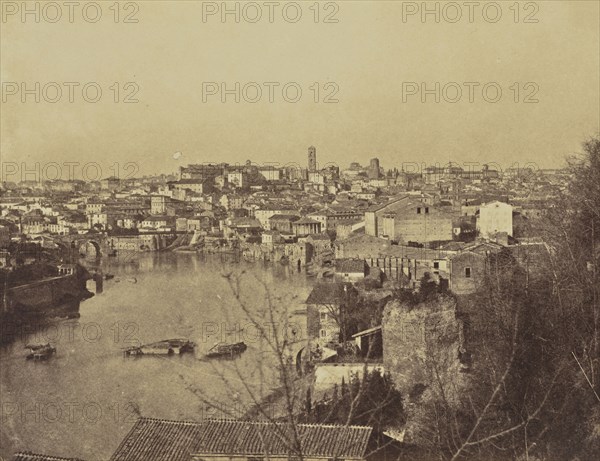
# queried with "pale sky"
point(369, 55)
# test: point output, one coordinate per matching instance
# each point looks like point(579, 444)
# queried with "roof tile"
point(161, 440)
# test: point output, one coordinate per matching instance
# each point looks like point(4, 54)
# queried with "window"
point(323, 316)
point(419, 210)
point(436, 265)
point(323, 333)
point(426, 209)
point(468, 272)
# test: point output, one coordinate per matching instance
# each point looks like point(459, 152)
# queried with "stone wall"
point(421, 345)
point(276, 252)
point(461, 281)
point(138, 242)
point(423, 228)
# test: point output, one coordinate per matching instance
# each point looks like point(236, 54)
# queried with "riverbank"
point(177, 295)
point(41, 301)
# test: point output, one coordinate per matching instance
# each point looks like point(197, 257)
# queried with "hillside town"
point(272, 210)
point(300, 230)
point(396, 261)
point(334, 224)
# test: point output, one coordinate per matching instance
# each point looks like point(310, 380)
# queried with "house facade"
point(495, 217)
point(419, 222)
point(325, 307)
point(282, 222)
point(350, 270)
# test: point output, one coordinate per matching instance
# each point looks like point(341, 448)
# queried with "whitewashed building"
point(495, 217)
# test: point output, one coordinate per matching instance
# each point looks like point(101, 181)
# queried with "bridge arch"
point(88, 247)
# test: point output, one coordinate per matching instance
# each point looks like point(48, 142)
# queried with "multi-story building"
point(158, 204)
point(495, 217)
point(159, 223)
point(374, 215)
point(106, 219)
point(94, 206)
point(231, 201)
point(418, 222)
point(331, 218)
point(306, 226)
point(199, 186)
point(409, 219)
point(270, 173)
point(264, 213)
point(283, 222)
point(237, 179)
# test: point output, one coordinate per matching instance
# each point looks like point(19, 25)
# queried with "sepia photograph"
point(311, 230)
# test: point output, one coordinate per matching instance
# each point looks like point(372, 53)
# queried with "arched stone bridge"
point(84, 244)
point(96, 245)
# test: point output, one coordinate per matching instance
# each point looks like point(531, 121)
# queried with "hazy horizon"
point(368, 58)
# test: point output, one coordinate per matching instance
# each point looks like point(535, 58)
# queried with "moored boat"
point(132, 351)
point(165, 347)
point(40, 351)
point(226, 350)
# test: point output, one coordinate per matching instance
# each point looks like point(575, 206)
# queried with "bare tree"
point(287, 407)
point(533, 390)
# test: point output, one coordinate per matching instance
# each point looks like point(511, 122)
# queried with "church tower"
point(312, 158)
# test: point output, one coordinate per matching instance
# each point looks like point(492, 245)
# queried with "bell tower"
point(312, 158)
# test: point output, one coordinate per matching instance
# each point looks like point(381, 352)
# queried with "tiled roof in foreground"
point(261, 438)
point(27, 456)
point(158, 440)
point(161, 440)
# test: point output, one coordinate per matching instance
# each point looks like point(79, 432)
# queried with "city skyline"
point(95, 171)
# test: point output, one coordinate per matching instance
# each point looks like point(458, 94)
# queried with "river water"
point(83, 401)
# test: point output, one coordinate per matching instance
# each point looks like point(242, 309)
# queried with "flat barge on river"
point(165, 347)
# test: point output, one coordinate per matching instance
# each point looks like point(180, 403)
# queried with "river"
point(83, 400)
